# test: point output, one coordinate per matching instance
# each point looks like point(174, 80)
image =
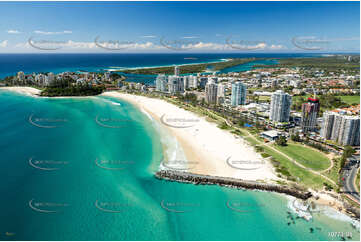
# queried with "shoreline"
point(120, 69)
point(193, 152)
point(34, 92)
point(196, 152)
point(29, 91)
point(205, 154)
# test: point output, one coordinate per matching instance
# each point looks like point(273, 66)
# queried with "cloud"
point(4, 43)
point(12, 31)
point(52, 33)
point(277, 47)
point(149, 36)
point(210, 46)
point(128, 45)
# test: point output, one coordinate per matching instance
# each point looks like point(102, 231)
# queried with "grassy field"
point(306, 156)
point(302, 176)
point(333, 173)
point(350, 99)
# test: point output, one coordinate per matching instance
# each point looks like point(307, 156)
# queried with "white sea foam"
point(298, 208)
point(332, 213)
point(301, 210)
point(147, 114)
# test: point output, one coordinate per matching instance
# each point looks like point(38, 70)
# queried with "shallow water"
point(82, 169)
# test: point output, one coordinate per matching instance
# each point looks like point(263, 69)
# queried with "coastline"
point(208, 158)
point(29, 91)
point(205, 154)
point(203, 157)
point(120, 69)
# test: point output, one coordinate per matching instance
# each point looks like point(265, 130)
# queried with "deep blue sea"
point(10, 64)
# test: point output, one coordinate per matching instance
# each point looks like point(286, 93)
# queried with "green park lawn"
point(350, 99)
point(306, 156)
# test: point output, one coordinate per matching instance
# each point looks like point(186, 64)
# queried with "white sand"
point(206, 147)
point(23, 90)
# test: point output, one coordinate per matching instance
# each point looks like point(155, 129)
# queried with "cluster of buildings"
point(49, 79)
point(214, 88)
point(175, 83)
point(230, 90)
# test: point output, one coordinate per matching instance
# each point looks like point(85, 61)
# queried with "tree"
point(282, 141)
point(296, 137)
point(348, 151)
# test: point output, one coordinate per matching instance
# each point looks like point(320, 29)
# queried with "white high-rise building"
point(51, 78)
point(221, 90)
point(280, 106)
point(343, 129)
point(238, 96)
point(211, 92)
point(327, 125)
point(185, 82)
point(40, 79)
point(176, 71)
point(161, 83)
point(175, 84)
point(193, 82)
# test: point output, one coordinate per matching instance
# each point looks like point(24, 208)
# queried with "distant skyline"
point(179, 27)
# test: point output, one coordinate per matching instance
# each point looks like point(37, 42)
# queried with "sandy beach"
point(208, 149)
point(23, 90)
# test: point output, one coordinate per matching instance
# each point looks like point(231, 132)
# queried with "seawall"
point(186, 177)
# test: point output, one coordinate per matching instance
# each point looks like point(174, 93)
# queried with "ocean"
point(10, 64)
point(82, 169)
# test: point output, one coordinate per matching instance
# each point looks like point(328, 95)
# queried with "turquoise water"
point(82, 169)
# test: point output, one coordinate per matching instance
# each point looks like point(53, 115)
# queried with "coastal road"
point(349, 186)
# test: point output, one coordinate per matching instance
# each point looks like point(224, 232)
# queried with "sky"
point(157, 27)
